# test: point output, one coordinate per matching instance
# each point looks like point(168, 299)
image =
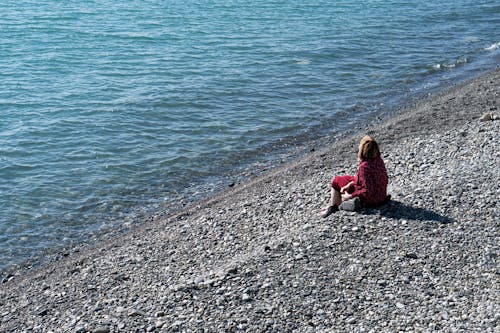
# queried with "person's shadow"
point(398, 210)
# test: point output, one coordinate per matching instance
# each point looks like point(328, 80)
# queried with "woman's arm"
point(347, 188)
point(360, 187)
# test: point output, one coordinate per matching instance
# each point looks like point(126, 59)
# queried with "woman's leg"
point(337, 184)
point(335, 200)
point(335, 197)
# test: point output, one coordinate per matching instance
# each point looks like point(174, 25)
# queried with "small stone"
point(382, 283)
point(207, 283)
point(7, 278)
point(43, 312)
point(411, 255)
point(245, 297)
point(232, 270)
point(486, 117)
point(120, 309)
point(136, 313)
point(400, 305)
point(101, 329)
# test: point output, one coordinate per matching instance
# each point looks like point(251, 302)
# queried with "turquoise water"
point(111, 110)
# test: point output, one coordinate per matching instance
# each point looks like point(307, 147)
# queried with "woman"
point(369, 184)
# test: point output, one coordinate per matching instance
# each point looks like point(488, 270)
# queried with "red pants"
point(340, 181)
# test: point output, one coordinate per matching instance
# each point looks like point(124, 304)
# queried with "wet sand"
point(258, 258)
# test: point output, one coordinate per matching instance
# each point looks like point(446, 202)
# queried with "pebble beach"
point(258, 258)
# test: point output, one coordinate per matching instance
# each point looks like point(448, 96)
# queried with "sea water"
point(112, 110)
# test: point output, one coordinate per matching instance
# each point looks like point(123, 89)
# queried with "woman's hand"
point(346, 196)
point(346, 188)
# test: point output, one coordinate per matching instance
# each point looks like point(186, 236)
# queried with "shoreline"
point(290, 149)
point(257, 258)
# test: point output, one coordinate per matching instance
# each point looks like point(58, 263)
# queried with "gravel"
point(258, 258)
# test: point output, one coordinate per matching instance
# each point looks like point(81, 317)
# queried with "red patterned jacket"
point(371, 182)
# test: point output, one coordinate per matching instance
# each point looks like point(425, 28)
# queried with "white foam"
point(472, 39)
point(493, 47)
point(451, 65)
point(303, 62)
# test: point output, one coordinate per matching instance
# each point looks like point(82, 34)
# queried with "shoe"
point(330, 210)
point(352, 205)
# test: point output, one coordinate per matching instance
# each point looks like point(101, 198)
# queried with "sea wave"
point(493, 47)
point(447, 65)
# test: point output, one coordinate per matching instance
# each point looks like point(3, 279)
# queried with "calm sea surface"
point(111, 110)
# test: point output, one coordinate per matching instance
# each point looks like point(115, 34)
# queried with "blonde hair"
point(368, 148)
